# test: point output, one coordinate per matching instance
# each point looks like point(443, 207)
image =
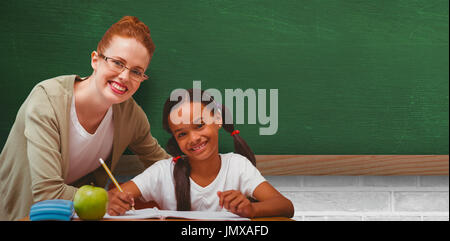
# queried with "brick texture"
point(356, 198)
point(366, 198)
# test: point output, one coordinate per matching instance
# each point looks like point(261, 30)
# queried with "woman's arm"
point(42, 133)
point(144, 144)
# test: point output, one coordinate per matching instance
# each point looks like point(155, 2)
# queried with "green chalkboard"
point(353, 77)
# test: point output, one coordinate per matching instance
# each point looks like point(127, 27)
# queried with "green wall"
point(353, 77)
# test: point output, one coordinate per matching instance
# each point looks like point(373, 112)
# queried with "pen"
point(112, 177)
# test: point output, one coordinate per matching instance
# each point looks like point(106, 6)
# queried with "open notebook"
point(156, 213)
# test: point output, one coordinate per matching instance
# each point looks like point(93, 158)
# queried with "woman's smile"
point(117, 88)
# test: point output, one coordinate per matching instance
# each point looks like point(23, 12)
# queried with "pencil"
point(112, 177)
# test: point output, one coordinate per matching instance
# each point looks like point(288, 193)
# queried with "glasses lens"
point(118, 66)
point(135, 76)
point(115, 64)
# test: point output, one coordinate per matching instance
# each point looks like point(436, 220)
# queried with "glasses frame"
point(143, 76)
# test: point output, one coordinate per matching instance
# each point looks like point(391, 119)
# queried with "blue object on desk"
point(56, 209)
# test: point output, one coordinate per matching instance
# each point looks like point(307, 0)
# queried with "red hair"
point(128, 27)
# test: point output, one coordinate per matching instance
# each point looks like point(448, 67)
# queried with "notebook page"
point(204, 215)
point(155, 213)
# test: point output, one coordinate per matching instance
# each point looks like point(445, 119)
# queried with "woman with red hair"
point(67, 123)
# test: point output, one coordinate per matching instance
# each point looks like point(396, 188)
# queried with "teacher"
point(67, 123)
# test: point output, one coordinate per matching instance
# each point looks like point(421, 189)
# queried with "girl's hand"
point(119, 202)
point(237, 203)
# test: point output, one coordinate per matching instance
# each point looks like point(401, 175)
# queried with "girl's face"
point(197, 141)
point(115, 86)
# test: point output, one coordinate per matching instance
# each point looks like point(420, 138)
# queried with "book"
point(162, 214)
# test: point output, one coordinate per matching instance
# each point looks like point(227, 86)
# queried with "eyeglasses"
point(118, 66)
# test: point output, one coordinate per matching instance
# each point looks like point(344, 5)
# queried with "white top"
point(84, 148)
point(236, 173)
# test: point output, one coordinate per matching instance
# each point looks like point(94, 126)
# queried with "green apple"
point(90, 202)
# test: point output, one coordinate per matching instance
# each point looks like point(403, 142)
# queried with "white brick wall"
point(352, 198)
point(366, 198)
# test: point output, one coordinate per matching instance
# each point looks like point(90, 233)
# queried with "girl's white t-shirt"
point(84, 148)
point(156, 183)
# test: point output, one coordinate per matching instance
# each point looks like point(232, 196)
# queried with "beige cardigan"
point(35, 159)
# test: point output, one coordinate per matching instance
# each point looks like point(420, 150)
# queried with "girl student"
point(67, 123)
point(198, 177)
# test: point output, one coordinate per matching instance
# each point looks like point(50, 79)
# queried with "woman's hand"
point(119, 202)
point(237, 203)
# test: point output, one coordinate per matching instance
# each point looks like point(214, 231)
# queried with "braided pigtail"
point(240, 145)
point(182, 169)
point(181, 174)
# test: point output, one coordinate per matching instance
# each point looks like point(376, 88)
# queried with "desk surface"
point(178, 219)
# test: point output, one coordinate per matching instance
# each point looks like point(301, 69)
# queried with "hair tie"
point(234, 132)
point(175, 159)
